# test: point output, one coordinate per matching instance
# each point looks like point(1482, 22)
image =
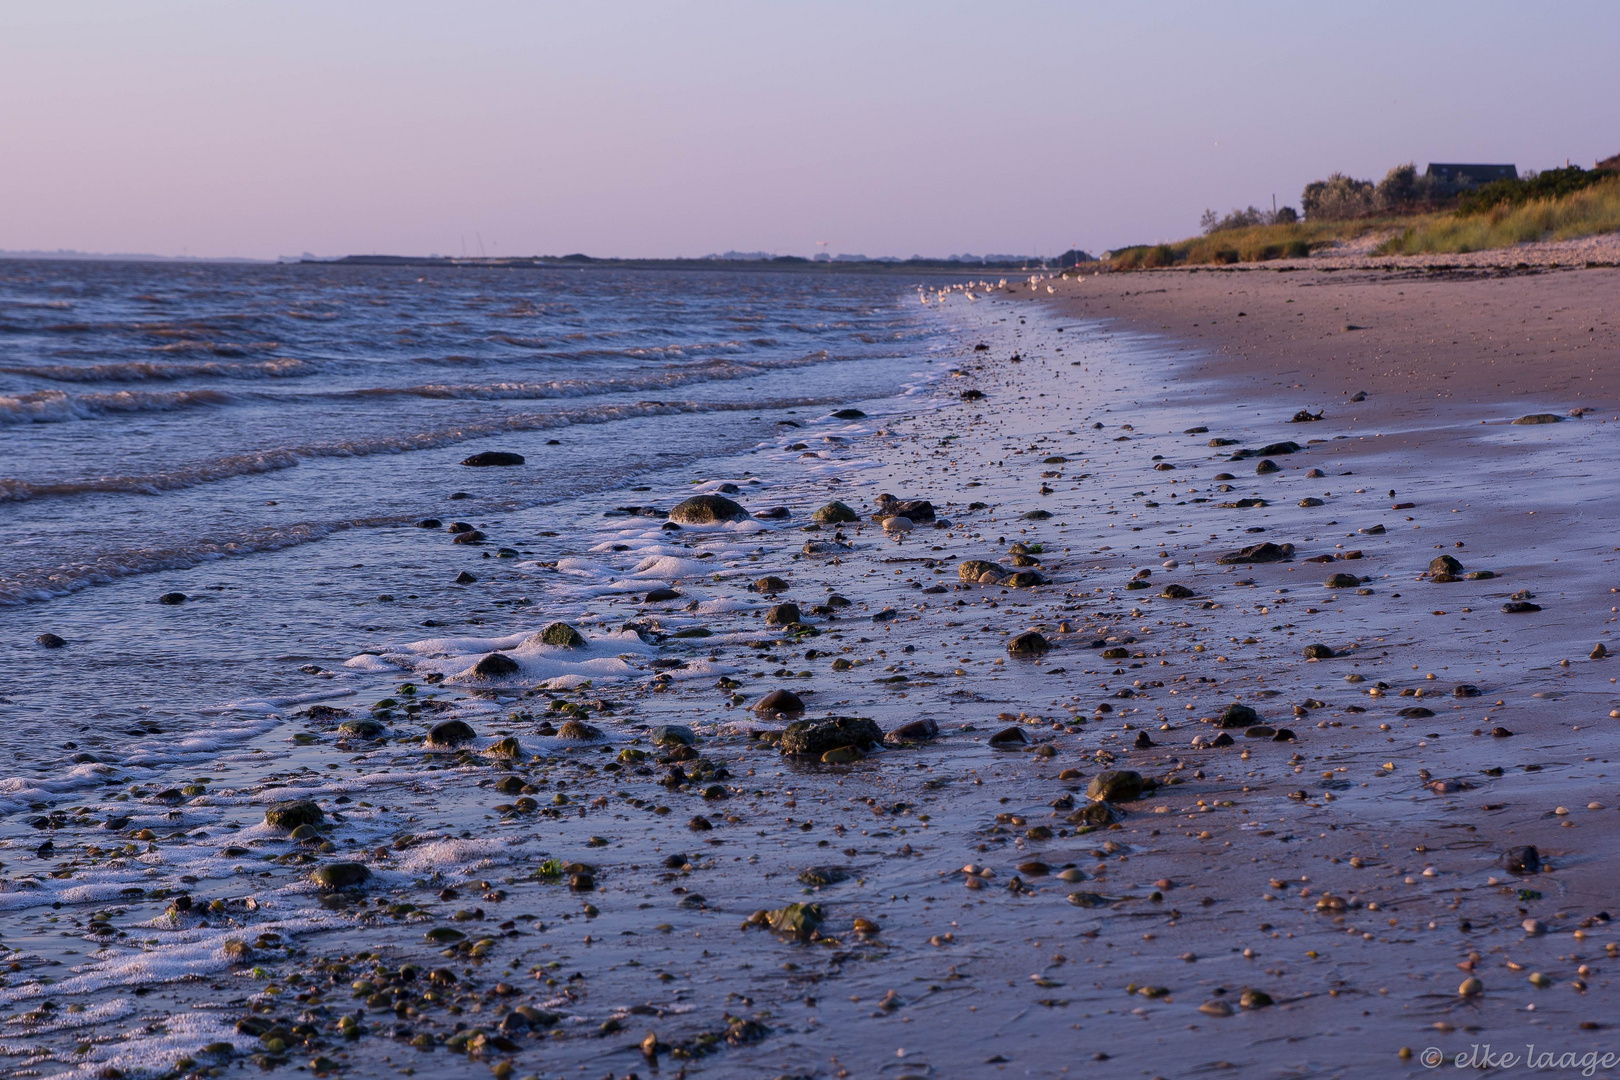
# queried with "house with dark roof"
point(1453, 175)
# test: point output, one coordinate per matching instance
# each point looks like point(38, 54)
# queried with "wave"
point(225, 468)
point(706, 371)
point(141, 370)
point(50, 406)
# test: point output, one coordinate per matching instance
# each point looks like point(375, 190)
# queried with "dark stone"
point(912, 509)
point(493, 457)
point(672, 735)
point(1318, 652)
point(1305, 416)
point(1258, 553)
point(1283, 735)
point(780, 701)
point(830, 733)
point(1416, 712)
point(817, 876)
point(495, 665)
point(972, 569)
point(557, 633)
point(783, 615)
point(700, 824)
point(293, 813)
point(770, 584)
point(471, 537)
point(1445, 564)
point(1143, 741)
point(1023, 579)
point(1342, 581)
point(775, 513)
point(849, 414)
point(835, 513)
point(1029, 643)
point(1519, 607)
point(450, 733)
point(1540, 418)
point(1095, 814)
point(1466, 690)
point(1237, 715)
point(173, 598)
point(1009, 739)
point(429, 523)
point(49, 641)
point(1038, 515)
point(580, 731)
point(915, 731)
point(1259, 731)
point(363, 728)
point(660, 596)
point(1115, 785)
point(706, 510)
point(1522, 860)
point(340, 875)
point(1177, 592)
point(465, 578)
point(1266, 465)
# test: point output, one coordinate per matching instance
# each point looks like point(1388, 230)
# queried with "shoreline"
point(1272, 904)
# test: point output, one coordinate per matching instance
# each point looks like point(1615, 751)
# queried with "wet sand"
point(1295, 906)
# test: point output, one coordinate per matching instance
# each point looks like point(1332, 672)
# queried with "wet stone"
point(1318, 651)
point(672, 735)
point(770, 584)
point(1522, 860)
point(1012, 738)
point(707, 510)
point(1116, 785)
point(1237, 715)
point(491, 458)
point(291, 814)
point(831, 733)
point(1176, 592)
point(783, 615)
point(915, 731)
point(818, 876)
point(1030, 643)
point(495, 666)
point(450, 733)
point(558, 633)
point(779, 701)
point(49, 641)
point(580, 731)
point(1342, 581)
point(340, 875)
point(835, 513)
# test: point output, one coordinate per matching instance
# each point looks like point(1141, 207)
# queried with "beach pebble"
point(1215, 1007)
point(783, 615)
point(915, 731)
point(1030, 643)
point(1115, 785)
point(897, 525)
point(779, 701)
point(292, 813)
point(835, 513)
point(1471, 987)
point(449, 733)
point(1012, 738)
point(493, 458)
point(707, 510)
point(1534, 927)
point(557, 633)
point(495, 665)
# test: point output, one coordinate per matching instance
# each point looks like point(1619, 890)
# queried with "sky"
point(672, 128)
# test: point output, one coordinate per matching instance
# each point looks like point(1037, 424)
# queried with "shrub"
point(1337, 198)
point(1552, 184)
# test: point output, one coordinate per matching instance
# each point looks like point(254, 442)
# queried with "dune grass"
point(1593, 210)
point(1258, 243)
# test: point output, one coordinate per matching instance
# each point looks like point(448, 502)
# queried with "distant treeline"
point(1068, 259)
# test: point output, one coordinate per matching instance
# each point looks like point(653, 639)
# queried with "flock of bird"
point(967, 289)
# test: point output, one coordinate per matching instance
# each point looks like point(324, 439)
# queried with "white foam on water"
point(453, 856)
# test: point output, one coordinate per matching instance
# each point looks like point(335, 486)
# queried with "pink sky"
point(668, 129)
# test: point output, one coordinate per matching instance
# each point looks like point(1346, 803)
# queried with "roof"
point(1472, 174)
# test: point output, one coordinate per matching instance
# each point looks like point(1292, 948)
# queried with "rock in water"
point(580, 731)
point(449, 733)
point(557, 633)
point(779, 701)
point(1341, 581)
point(493, 457)
point(1258, 553)
point(661, 596)
point(819, 736)
point(1466, 690)
point(363, 728)
point(340, 875)
point(1013, 738)
point(835, 513)
point(783, 615)
point(706, 510)
point(495, 666)
point(1115, 785)
point(1445, 564)
point(293, 813)
point(49, 641)
point(1522, 860)
point(915, 731)
point(849, 414)
point(672, 735)
point(800, 920)
point(173, 598)
point(1237, 715)
point(1029, 643)
point(465, 578)
point(1540, 418)
point(1318, 652)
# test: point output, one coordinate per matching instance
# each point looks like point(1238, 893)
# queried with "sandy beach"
point(1230, 782)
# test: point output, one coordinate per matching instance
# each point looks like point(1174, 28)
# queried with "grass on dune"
point(1588, 212)
point(1258, 243)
